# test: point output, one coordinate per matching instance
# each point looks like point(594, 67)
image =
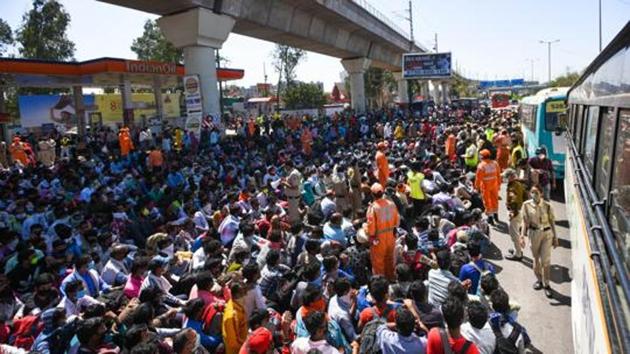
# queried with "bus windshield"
point(555, 115)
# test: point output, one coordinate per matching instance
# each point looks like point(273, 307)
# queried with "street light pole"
point(549, 43)
point(600, 25)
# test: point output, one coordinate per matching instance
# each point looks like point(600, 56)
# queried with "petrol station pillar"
point(403, 93)
point(356, 68)
point(127, 102)
point(157, 92)
point(199, 32)
point(79, 110)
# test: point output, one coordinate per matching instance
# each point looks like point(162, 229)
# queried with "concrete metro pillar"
point(127, 102)
point(445, 92)
point(199, 32)
point(424, 90)
point(403, 94)
point(356, 68)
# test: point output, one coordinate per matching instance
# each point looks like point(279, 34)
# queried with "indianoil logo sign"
point(147, 67)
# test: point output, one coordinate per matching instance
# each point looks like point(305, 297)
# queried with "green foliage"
point(462, 87)
point(6, 36)
point(43, 32)
point(379, 84)
point(152, 45)
point(567, 79)
point(303, 95)
point(285, 60)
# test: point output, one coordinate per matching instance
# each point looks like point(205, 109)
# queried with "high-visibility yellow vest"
point(414, 179)
point(473, 160)
point(489, 134)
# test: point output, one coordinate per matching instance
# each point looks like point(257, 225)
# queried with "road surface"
point(548, 321)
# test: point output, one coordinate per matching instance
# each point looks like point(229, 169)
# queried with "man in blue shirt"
point(333, 230)
point(476, 268)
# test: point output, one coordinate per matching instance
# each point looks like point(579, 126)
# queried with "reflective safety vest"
point(488, 174)
point(472, 157)
point(515, 152)
point(414, 179)
point(489, 134)
point(382, 217)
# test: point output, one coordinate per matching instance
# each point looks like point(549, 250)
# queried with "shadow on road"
point(562, 223)
point(560, 299)
point(559, 274)
point(493, 252)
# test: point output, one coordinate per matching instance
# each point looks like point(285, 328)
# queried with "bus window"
point(528, 117)
point(590, 137)
point(604, 152)
point(555, 115)
point(577, 133)
point(620, 189)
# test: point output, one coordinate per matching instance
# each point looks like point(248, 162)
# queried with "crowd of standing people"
point(340, 234)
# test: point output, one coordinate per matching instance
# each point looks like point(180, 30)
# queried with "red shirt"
point(434, 343)
point(367, 315)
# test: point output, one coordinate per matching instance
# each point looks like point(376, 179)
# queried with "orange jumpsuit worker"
point(124, 139)
point(382, 165)
point(382, 220)
point(502, 144)
point(488, 182)
point(18, 151)
point(307, 141)
point(450, 147)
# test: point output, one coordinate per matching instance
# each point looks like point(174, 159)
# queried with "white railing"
point(381, 17)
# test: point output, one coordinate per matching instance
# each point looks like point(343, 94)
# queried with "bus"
point(500, 100)
point(543, 119)
point(597, 190)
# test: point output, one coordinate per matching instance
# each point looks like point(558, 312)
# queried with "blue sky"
point(489, 39)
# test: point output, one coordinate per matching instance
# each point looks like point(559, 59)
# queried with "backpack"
point(25, 330)
point(212, 319)
point(506, 345)
point(368, 335)
point(446, 347)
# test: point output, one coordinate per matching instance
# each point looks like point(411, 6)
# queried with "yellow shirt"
point(414, 179)
point(234, 327)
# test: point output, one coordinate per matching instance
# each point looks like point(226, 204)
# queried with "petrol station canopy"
point(102, 72)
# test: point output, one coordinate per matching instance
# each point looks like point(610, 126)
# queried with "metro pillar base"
point(356, 68)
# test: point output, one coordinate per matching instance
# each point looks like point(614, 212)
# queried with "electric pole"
point(600, 25)
point(549, 43)
point(436, 44)
point(410, 19)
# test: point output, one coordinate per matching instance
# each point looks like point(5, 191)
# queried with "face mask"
point(91, 265)
point(536, 197)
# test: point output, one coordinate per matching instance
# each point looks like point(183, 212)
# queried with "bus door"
point(555, 124)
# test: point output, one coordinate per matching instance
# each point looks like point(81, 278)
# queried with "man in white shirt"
point(316, 326)
point(229, 226)
point(477, 329)
point(115, 271)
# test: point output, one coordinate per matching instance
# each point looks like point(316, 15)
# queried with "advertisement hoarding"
point(194, 103)
point(426, 66)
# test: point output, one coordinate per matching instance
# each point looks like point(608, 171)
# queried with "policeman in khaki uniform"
point(538, 224)
point(516, 194)
point(293, 192)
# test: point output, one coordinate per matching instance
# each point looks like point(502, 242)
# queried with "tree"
point(461, 87)
point(6, 36)
point(304, 95)
point(152, 45)
point(285, 60)
point(565, 80)
point(379, 85)
point(43, 32)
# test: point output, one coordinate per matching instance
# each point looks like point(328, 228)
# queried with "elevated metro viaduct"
point(339, 28)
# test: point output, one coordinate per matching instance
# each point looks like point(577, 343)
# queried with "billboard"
point(426, 66)
point(39, 110)
point(501, 83)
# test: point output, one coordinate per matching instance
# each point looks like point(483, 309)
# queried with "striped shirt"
point(438, 285)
